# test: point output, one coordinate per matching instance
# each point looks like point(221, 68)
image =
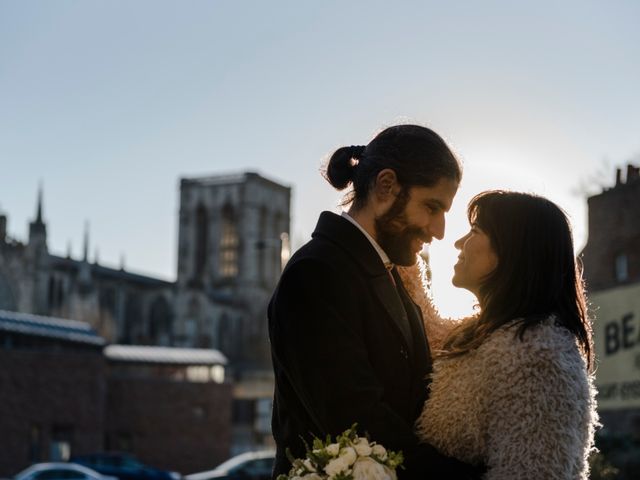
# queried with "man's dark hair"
point(418, 156)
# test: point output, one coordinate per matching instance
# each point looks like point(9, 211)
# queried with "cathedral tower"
point(233, 233)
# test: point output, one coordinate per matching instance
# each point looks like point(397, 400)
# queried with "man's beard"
point(395, 235)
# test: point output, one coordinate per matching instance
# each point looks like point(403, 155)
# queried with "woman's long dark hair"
point(537, 274)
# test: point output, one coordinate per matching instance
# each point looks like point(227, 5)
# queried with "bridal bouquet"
point(350, 457)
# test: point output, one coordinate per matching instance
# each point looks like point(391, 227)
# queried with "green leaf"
point(317, 444)
point(290, 456)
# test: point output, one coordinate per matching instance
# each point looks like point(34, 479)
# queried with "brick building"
point(612, 272)
point(52, 389)
point(62, 393)
point(169, 406)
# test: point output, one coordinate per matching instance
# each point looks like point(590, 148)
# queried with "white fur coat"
point(526, 409)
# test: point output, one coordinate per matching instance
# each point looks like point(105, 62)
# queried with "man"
point(348, 343)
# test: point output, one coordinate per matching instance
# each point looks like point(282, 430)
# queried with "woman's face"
point(477, 259)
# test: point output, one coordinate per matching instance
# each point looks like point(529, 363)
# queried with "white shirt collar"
point(383, 256)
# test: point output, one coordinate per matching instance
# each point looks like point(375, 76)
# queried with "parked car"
point(60, 471)
point(246, 466)
point(123, 466)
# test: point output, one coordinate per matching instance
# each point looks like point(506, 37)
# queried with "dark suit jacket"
point(348, 346)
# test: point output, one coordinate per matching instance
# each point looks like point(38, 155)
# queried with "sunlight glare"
point(483, 170)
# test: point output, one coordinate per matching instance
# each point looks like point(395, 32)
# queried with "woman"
point(511, 387)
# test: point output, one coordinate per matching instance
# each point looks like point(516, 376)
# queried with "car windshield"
point(246, 461)
point(254, 467)
point(60, 474)
point(119, 461)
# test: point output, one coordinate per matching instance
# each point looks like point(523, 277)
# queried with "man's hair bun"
point(342, 165)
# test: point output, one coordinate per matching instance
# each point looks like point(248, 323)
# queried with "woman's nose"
point(460, 242)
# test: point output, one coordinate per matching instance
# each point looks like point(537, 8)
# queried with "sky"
point(107, 104)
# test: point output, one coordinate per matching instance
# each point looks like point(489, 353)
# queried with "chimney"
point(3, 227)
point(633, 173)
point(618, 176)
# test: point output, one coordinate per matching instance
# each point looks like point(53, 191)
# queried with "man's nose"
point(436, 227)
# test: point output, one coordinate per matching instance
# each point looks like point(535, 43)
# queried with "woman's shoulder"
point(548, 340)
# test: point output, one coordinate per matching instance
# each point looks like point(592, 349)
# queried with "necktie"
point(390, 268)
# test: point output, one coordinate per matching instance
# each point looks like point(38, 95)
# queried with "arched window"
point(132, 331)
point(160, 319)
point(262, 245)
point(7, 296)
point(52, 293)
point(60, 296)
point(279, 227)
point(201, 244)
point(225, 340)
point(622, 267)
point(228, 243)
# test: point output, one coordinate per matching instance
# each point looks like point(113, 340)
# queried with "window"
point(217, 373)
point(227, 336)
point(7, 297)
point(35, 443)
point(262, 243)
point(132, 328)
point(622, 267)
point(60, 446)
point(160, 321)
point(243, 411)
point(256, 467)
point(60, 474)
point(228, 243)
point(56, 292)
point(198, 373)
point(285, 251)
point(202, 237)
point(262, 423)
point(107, 299)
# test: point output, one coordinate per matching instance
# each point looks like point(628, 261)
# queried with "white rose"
point(349, 454)
point(308, 465)
point(333, 449)
point(391, 473)
point(366, 468)
point(336, 466)
point(380, 452)
point(362, 447)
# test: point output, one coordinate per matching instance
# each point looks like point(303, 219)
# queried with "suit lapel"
point(343, 233)
point(422, 361)
point(422, 352)
point(388, 296)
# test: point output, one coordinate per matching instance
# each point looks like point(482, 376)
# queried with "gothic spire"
point(39, 208)
point(85, 256)
point(37, 228)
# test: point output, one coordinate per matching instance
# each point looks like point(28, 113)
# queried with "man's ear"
point(386, 185)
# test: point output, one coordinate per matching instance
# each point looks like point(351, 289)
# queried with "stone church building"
point(233, 240)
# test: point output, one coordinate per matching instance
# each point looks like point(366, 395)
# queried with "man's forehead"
point(441, 193)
